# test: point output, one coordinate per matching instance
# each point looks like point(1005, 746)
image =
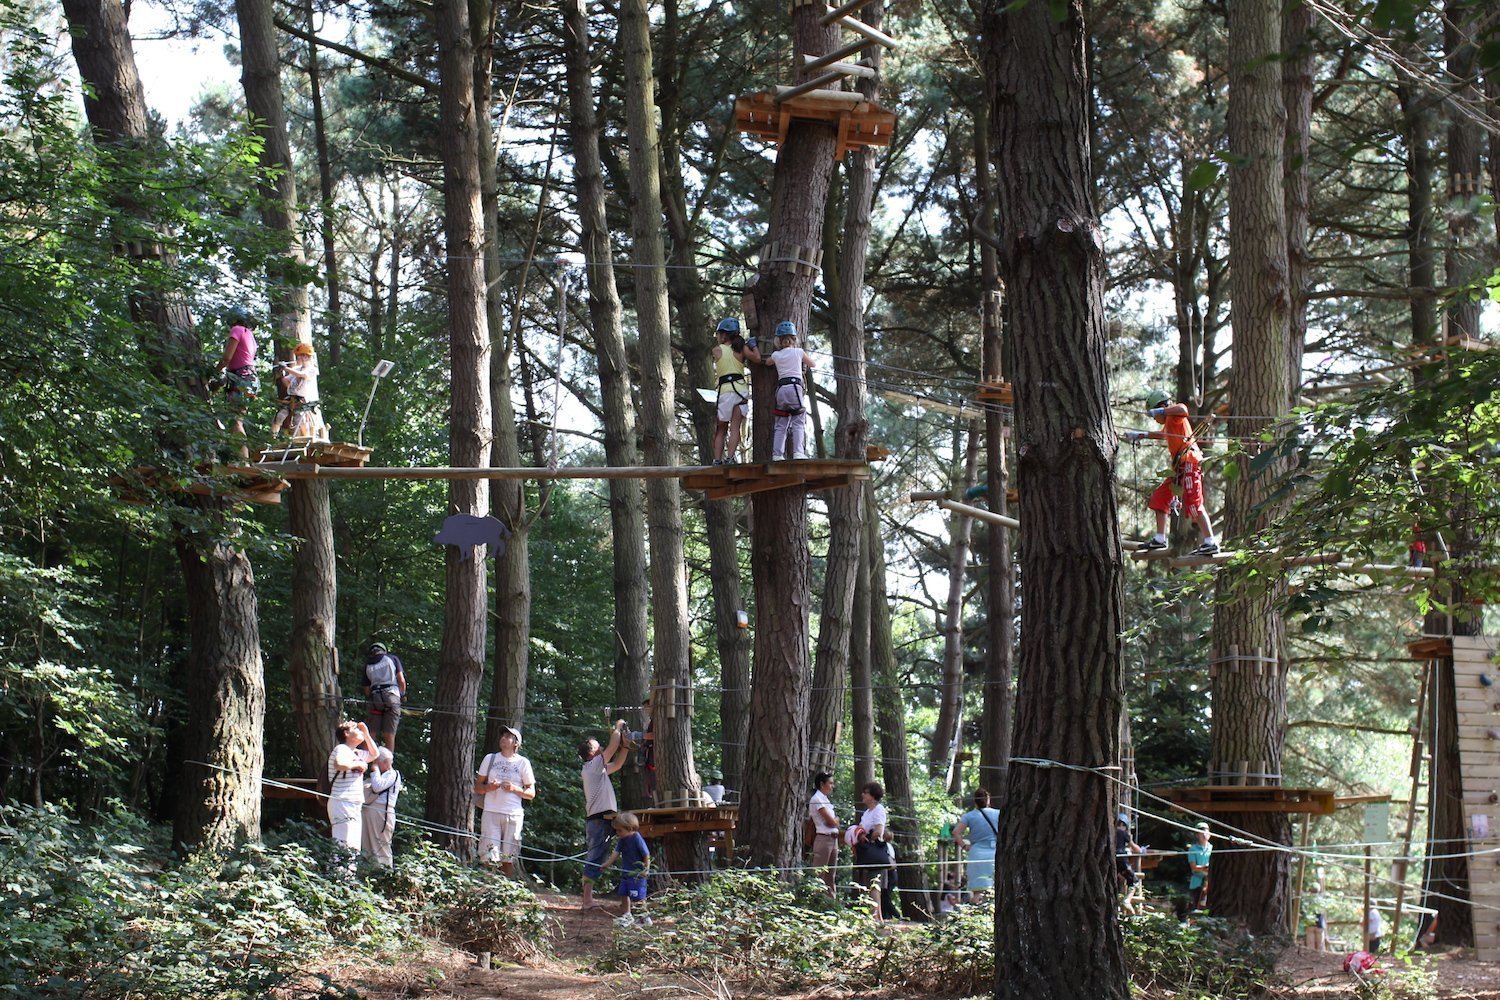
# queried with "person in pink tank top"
point(238, 380)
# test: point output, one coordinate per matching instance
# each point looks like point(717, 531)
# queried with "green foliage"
point(1204, 958)
point(100, 907)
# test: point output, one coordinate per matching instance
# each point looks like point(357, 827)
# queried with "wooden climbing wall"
point(1476, 676)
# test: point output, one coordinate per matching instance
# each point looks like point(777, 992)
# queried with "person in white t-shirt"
point(792, 364)
point(346, 777)
point(382, 786)
point(825, 847)
point(505, 779)
point(872, 861)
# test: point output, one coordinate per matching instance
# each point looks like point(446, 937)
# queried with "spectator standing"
point(506, 781)
point(385, 692)
point(599, 805)
point(872, 861)
point(1372, 931)
point(382, 785)
point(825, 847)
point(1199, 854)
point(980, 829)
point(347, 763)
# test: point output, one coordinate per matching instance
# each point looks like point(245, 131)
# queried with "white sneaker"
point(624, 920)
point(1207, 549)
point(645, 921)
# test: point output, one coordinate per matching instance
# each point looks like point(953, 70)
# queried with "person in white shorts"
point(730, 356)
point(505, 779)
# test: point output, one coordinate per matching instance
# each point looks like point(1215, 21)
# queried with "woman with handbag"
point(982, 827)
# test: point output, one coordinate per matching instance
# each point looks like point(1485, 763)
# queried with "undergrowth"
point(102, 908)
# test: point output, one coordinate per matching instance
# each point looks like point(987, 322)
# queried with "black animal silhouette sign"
point(467, 531)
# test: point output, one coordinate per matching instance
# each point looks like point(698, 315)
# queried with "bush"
point(102, 908)
point(1204, 958)
point(751, 925)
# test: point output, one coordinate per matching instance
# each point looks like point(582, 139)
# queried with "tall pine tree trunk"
point(846, 294)
point(945, 735)
point(627, 513)
point(1000, 569)
point(1249, 665)
point(1056, 934)
point(890, 724)
point(328, 205)
point(312, 660)
point(776, 754)
point(676, 779)
point(861, 686)
point(512, 580)
point(462, 655)
point(218, 798)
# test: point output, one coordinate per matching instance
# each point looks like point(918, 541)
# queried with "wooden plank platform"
point(236, 483)
point(996, 392)
point(720, 482)
point(1430, 647)
point(718, 822)
point(1251, 798)
point(860, 123)
point(339, 454)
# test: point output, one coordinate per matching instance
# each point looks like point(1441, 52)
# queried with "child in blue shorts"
point(635, 866)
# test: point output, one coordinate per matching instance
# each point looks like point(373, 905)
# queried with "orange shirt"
point(1177, 432)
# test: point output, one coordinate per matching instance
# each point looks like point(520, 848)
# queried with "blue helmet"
point(729, 325)
point(786, 328)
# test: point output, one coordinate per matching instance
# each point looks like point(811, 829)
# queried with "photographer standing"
point(346, 768)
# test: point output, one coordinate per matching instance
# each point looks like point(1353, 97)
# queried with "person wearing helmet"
point(307, 420)
point(791, 363)
point(237, 367)
point(385, 692)
point(1187, 473)
point(730, 355)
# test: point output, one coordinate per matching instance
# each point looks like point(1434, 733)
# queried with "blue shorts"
point(633, 887)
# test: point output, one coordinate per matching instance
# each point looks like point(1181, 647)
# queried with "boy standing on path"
point(1187, 473)
point(599, 805)
point(505, 779)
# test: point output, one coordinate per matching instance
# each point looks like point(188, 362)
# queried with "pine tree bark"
point(1249, 666)
point(627, 512)
point(945, 735)
point(312, 660)
point(851, 440)
point(776, 753)
point(328, 204)
point(512, 579)
point(1297, 95)
point(1464, 260)
point(1056, 933)
point(861, 686)
point(218, 798)
point(676, 777)
point(462, 654)
point(1000, 569)
point(1421, 259)
point(890, 724)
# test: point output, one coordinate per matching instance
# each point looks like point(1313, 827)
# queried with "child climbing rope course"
point(791, 362)
point(730, 357)
point(1187, 473)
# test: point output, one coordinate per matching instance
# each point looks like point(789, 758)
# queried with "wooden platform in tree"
point(719, 482)
point(717, 822)
point(339, 454)
point(996, 392)
point(1438, 647)
point(860, 123)
point(1474, 662)
point(239, 483)
point(1251, 798)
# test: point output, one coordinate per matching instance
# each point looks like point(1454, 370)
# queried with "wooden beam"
point(834, 13)
point(299, 470)
point(812, 87)
point(847, 68)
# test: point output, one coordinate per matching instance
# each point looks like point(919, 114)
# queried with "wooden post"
point(1364, 912)
point(1296, 908)
point(1411, 805)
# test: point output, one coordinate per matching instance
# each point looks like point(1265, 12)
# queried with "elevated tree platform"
point(717, 481)
point(1251, 798)
point(996, 392)
point(239, 483)
point(860, 122)
point(332, 453)
point(723, 481)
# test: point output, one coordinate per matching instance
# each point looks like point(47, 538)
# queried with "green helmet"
point(1156, 398)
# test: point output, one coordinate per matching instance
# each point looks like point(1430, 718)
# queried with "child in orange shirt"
point(1187, 473)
